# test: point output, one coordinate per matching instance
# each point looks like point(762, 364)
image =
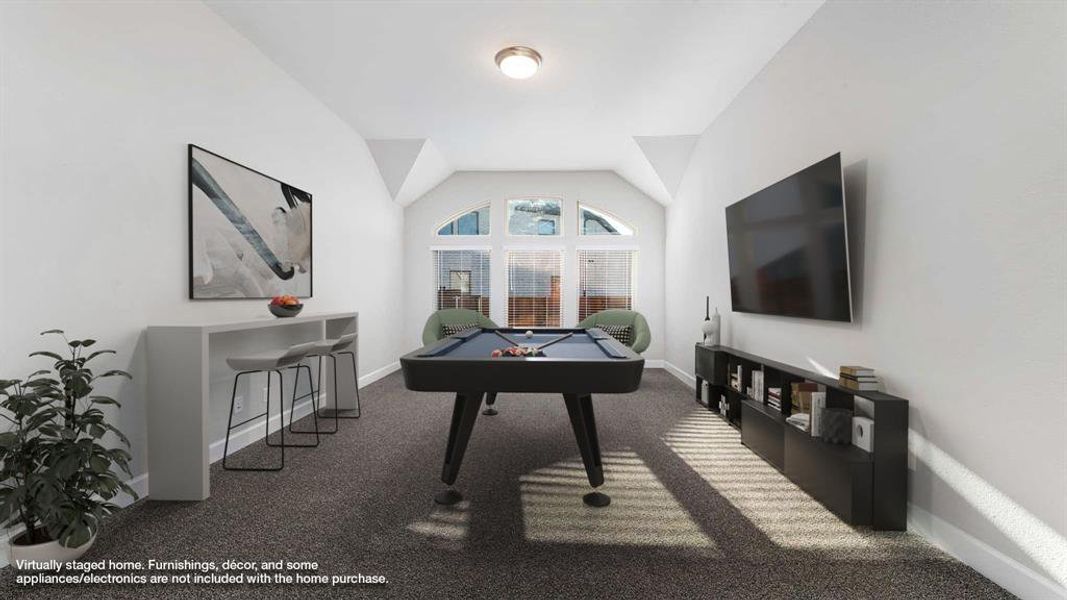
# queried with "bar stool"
point(332, 348)
point(269, 363)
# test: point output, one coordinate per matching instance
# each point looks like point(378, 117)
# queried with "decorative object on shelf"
point(56, 479)
point(250, 234)
point(837, 425)
point(712, 325)
point(863, 433)
point(799, 420)
point(285, 306)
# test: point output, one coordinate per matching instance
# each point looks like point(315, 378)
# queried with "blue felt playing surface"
point(481, 345)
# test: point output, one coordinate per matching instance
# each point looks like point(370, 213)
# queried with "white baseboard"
point(1001, 569)
point(681, 375)
point(653, 363)
point(377, 374)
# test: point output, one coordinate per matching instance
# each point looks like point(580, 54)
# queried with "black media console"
point(862, 488)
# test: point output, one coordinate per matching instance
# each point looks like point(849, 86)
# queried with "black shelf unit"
point(862, 488)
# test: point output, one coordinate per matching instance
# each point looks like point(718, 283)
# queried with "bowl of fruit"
point(285, 306)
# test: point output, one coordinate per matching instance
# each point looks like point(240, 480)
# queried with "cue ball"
point(529, 333)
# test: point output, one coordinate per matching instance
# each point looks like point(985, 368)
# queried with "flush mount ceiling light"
point(518, 62)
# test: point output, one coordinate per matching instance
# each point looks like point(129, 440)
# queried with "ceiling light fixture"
point(518, 62)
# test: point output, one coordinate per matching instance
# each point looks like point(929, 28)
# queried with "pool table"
point(575, 363)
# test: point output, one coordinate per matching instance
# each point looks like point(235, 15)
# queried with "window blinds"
point(605, 280)
point(534, 288)
point(462, 279)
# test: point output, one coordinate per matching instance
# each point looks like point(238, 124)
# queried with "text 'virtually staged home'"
point(627, 299)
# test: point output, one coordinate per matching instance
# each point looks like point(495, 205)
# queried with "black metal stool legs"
point(336, 413)
point(292, 410)
point(230, 426)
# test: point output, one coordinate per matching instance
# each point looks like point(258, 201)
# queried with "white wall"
point(468, 189)
point(951, 123)
point(98, 102)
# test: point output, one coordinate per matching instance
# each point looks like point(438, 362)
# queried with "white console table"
point(181, 363)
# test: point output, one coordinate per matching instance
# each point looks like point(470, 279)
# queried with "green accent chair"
point(434, 329)
point(642, 335)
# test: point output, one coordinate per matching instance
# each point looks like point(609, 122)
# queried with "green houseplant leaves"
point(57, 478)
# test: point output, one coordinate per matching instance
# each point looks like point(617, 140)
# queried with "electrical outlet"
point(239, 404)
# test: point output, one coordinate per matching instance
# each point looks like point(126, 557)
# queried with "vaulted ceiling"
point(419, 78)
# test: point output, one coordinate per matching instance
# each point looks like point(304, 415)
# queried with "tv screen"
point(789, 249)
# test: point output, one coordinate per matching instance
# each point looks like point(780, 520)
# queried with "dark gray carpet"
point(694, 514)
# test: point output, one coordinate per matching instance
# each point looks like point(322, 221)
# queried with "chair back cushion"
point(623, 333)
point(435, 325)
point(450, 329)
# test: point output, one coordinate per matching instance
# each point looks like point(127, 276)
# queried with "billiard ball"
point(497, 353)
point(529, 333)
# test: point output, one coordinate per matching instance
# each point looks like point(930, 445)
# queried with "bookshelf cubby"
point(862, 488)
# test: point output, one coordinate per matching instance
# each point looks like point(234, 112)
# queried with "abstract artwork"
point(250, 234)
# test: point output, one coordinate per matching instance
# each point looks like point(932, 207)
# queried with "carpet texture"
point(693, 514)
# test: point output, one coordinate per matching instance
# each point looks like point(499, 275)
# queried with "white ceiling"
point(611, 71)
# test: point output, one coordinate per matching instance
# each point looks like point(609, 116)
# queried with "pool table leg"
point(580, 410)
point(464, 413)
point(490, 400)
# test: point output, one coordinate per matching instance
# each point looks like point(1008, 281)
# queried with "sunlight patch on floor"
point(642, 511)
point(449, 523)
point(784, 512)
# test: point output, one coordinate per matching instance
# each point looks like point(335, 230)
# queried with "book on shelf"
point(860, 386)
point(801, 396)
point(856, 371)
point(757, 386)
point(818, 403)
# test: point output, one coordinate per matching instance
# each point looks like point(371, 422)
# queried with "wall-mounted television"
point(788, 247)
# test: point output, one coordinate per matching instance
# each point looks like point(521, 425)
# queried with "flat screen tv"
point(788, 247)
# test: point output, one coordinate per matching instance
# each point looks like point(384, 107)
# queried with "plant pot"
point(46, 551)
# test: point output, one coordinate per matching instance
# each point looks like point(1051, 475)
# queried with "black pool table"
point(574, 362)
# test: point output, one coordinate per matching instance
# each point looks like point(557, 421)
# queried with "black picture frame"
point(292, 194)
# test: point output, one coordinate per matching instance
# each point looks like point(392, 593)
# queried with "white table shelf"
point(181, 358)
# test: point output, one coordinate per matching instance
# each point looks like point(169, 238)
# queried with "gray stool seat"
point(329, 346)
point(268, 361)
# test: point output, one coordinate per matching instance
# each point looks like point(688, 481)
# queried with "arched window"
point(597, 222)
point(473, 222)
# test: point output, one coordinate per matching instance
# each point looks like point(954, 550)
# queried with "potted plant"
point(61, 481)
point(25, 484)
